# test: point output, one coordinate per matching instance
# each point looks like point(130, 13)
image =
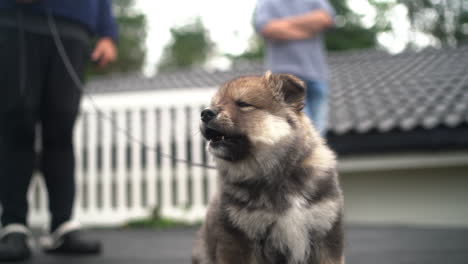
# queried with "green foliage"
point(132, 36)
point(351, 36)
point(191, 45)
point(445, 20)
point(350, 33)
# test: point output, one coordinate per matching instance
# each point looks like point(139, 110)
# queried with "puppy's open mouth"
point(216, 136)
point(225, 145)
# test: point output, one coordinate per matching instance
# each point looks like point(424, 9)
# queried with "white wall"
point(415, 196)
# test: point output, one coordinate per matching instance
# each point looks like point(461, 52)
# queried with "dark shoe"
point(67, 240)
point(14, 243)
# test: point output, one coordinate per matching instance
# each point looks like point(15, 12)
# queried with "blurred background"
point(398, 111)
point(154, 33)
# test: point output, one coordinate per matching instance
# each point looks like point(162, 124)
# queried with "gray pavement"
point(364, 245)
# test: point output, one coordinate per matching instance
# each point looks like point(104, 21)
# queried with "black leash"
point(77, 81)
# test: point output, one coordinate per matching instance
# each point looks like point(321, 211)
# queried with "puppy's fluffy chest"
point(287, 230)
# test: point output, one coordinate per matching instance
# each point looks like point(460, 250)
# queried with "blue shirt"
point(96, 15)
point(304, 58)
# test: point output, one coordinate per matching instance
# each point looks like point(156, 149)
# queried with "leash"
point(103, 116)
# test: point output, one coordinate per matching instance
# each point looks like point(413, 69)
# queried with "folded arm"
point(298, 27)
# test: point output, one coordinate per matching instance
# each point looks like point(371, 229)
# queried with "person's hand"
point(105, 52)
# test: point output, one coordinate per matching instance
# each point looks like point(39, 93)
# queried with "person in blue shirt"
point(36, 88)
point(293, 32)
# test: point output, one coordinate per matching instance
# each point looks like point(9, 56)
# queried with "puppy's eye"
point(243, 104)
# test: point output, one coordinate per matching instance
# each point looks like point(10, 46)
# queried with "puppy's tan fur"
point(279, 199)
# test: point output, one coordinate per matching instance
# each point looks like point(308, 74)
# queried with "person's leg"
point(317, 104)
point(60, 105)
point(58, 114)
point(20, 80)
point(23, 57)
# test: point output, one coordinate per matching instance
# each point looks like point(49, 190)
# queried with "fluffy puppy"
point(279, 198)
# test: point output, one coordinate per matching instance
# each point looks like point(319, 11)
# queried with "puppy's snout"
point(208, 114)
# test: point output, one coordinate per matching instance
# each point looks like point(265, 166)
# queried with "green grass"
point(157, 222)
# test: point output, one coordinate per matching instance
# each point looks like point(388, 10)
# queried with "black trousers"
point(35, 88)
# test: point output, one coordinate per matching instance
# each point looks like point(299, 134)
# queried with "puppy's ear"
point(287, 88)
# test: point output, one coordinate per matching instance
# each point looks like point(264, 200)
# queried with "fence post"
point(166, 170)
point(136, 168)
point(151, 179)
point(181, 145)
point(197, 172)
point(121, 166)
point(106, 152)
point(92, 172)
point(78, 147)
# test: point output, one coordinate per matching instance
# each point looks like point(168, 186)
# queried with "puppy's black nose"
point(208, 114)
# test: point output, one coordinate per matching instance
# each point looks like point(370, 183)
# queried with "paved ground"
point(365, 245)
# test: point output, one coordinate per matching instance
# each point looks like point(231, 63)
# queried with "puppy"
point(279, 198)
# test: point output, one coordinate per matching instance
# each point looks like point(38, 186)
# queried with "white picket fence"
point(117, 178)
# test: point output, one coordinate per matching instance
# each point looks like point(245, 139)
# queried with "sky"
point(229, 24)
